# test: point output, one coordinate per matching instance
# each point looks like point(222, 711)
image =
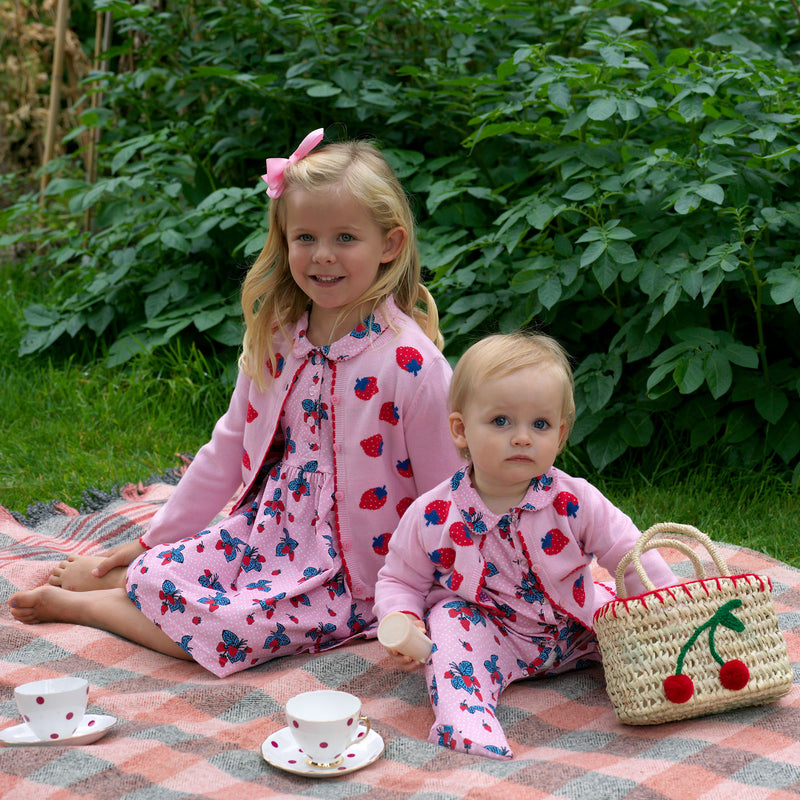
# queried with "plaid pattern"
point(182, 733)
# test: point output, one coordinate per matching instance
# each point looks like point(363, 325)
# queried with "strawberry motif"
point(403, 505)
point(460, 535)
point(366, 388)
point(445, 556)
point(436, 512)
point(380, 544)
point(404, 468)
point(373, 499)
point(566, 504)
point(409, 359)
point(251, 413)
point(455, 582)
point(554, 542)
point(246, 459)
point(373, 445)
point(389, 413)
point(578, 592)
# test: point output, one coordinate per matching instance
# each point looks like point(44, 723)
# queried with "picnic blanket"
point(182, 733)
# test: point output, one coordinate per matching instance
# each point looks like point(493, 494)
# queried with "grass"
point(69, 424)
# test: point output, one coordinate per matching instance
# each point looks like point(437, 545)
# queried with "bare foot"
point(75, 574)
point(106, 609)
point(45, 604)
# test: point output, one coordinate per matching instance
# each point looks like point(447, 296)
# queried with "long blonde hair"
point(272, 301)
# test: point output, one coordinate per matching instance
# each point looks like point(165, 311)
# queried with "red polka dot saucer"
point(281, 750)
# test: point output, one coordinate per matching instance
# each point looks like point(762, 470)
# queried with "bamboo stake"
point(55, 90)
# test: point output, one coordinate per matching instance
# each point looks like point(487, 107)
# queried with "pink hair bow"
point(277, 166)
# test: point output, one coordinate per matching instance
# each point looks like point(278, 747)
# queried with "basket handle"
point(647, 541)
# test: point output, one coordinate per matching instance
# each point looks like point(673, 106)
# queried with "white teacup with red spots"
point(324, 724)
point(54, 707)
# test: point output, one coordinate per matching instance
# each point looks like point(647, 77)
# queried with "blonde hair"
point(271, 300)
point(500, 355)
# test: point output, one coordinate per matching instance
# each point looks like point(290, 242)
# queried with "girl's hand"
point(119, 556)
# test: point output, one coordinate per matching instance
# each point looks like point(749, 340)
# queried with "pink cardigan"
point(396, 387)
point(436, 551)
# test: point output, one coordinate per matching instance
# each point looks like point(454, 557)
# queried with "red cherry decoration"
point(734, 675)
point(678, 688)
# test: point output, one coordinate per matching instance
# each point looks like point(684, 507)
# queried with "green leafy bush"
point(620, 174)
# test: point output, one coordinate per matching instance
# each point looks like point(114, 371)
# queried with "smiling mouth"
point(326, 279)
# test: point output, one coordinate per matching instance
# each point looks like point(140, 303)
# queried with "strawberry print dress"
point(267, 581)
point(505, 596)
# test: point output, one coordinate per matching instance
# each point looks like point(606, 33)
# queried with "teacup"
point(398, 632)
point(54, 707)
point(324, 724)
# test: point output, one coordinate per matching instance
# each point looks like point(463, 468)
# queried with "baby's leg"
point(465, 678)
point(75, 574)
point(106, 609)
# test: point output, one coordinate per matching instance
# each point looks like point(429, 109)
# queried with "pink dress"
point(267, 581)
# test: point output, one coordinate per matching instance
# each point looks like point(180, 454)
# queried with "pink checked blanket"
point(182, 733)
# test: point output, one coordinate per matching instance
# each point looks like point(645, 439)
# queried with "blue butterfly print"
point(315, 409)
point(494, 670)
point(232, 648)
point(466, 613)
point(229, 545)
point(530, 590)
point(171, 599)
point(446, 737)
point(474, 520)
point(213, 603)
point(175, 554)
point(184, 643)
point(461, 676)
point(322, 630)
point(365, 327)
point(261, 585)
point(356, 622)
point(501, 751)
point(286, 546)
point(250, 514)
point(471, 709)
point(277, 639)
point(455, 481)
point(310, 572)
point(434, 692)
point(331, 549)
point(269, 604)
point(335, 585)
point(210, 581)
point(132, 596)
point(252, 559)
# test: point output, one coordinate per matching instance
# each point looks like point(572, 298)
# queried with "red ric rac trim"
point(146, 546)
point(620, 605)
point(337, 530)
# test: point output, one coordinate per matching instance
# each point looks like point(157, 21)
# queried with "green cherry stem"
point(724, 616)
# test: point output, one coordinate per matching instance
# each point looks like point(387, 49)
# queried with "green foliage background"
point(622, 175)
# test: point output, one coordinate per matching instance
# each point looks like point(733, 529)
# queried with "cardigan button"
point(338, 495)
point(335, 399)
point(358, 589)
point(337, 448)
point(347, 546)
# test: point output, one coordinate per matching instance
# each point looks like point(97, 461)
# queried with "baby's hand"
point(404, 662)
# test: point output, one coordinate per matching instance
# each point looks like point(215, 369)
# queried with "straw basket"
point(696, 648)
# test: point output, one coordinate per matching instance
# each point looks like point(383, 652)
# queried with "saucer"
point(92, 728)
point(281, 750)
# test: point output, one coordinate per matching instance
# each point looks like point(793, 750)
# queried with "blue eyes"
point(343, 237)
point(503, 422)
